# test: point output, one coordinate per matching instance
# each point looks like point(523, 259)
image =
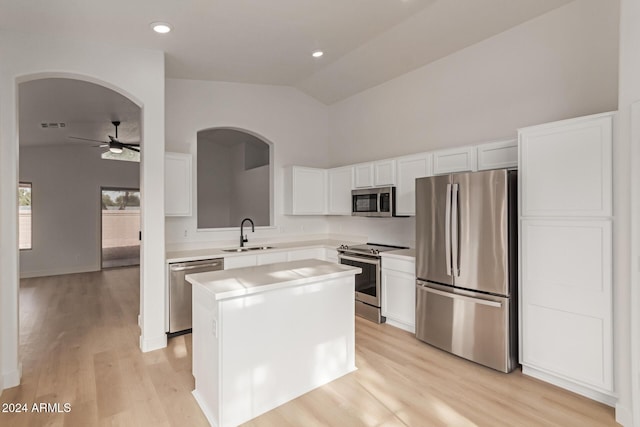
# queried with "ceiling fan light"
point(116, 150)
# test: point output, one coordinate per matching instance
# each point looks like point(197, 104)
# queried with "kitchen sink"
point(253, 248)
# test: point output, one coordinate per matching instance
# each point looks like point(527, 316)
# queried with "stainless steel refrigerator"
point(466, 242)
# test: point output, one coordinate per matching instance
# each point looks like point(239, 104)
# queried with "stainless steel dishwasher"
point(179, 313)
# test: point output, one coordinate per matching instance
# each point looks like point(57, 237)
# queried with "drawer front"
point(474, 328)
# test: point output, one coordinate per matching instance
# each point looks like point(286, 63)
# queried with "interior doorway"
point(120, 225)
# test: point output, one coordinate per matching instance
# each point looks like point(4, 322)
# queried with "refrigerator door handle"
point(447, 230)
point(454, 231)
point(461, 297)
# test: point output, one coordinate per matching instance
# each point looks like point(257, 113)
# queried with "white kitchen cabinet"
point(384, 173)
point(339, 185)
point(399, 292)
point(304, 192)
point(460, 159)
point(331, 255)
point(311, 253)
point(566, 331)
point(408, 169)
point(272, 257)
point(363, 175)
point(240, 261)
point(177, 184)
point(498, 155)
point(568, 167)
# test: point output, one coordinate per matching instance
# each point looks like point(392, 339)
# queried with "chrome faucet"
point(243, 238)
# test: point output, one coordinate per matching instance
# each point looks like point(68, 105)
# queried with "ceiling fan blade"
point(133, 144)
point(86, 139)
point(130, 148)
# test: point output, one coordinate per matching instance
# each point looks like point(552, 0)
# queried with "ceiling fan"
point(115, 146)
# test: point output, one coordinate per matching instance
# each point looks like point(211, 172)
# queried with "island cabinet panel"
point(259, 349)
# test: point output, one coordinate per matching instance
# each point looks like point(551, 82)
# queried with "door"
point(479, 232)
point(433, 249)
point(120, 219)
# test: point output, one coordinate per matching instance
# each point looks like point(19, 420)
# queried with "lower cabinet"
point(250, 260)
point(399, 293)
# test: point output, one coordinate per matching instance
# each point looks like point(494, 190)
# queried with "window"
point(24, 215)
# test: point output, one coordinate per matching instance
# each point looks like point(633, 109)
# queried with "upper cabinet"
point(498, 155)
point(408, 169)
point(339, 185)
point(568, 167)
point(305, 191)
point(177, 184)
point(375, 174)
point(461, 159)
point(363, 175)
point(384, 173)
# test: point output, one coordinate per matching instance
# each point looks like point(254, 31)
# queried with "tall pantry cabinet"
point(565, 191)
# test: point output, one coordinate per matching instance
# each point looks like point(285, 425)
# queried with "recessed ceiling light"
point(161, 27)
point(317, 54)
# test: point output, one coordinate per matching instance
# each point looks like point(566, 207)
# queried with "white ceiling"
point(86, 109)
point(366, 42)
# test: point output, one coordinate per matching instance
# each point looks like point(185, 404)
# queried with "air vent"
point(53, 125)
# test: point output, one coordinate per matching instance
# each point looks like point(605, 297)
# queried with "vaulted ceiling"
point(366, 42)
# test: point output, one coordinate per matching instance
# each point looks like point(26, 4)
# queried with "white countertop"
point(199, 254)
point(233, 283)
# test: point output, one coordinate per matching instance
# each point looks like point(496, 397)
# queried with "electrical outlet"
point(185, 232)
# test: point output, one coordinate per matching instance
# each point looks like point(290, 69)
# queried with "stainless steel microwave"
point(376, 202)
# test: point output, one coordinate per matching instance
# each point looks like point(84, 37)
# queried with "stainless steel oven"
point(368, 283)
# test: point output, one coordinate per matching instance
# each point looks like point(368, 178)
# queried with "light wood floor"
point(79, 345)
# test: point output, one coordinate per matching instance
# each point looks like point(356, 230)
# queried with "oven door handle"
point(358, 259)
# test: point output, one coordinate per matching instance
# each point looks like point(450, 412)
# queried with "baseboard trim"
point(624, 416)
point(59, 271)
point(598, 396)
point(208, 414)
point(401, 325)
point(11, 378)
point(151, 344)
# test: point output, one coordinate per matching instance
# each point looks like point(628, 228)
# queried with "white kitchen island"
point(265, 335)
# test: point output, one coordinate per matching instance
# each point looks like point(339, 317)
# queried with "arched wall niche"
point(234, 178)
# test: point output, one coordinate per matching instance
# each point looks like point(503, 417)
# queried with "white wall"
point(249, 190)
point(66, 182)
point(627, 220)
point(215, 199)
point(560, 65)
point(26, 57)
point(294, 123)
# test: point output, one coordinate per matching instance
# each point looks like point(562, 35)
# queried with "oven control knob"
point(375, 251)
